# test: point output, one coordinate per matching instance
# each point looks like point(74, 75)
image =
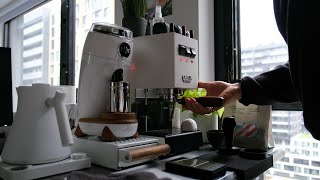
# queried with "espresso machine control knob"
point(124, 50)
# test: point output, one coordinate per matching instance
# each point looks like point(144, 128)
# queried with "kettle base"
point(16, 172)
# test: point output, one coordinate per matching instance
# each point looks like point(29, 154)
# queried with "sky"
point(258, 25)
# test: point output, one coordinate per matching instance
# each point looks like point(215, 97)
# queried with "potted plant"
point(134, 16)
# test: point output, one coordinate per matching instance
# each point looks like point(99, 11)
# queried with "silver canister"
point(119, 97)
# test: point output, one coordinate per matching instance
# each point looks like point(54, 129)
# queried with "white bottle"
point(158, 15)
point(176, 118)
point(159, 26)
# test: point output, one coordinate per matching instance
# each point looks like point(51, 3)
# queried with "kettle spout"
point(57, 102)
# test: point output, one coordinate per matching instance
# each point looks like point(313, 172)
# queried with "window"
point(277, 166)
point(105, 12)
point(301, 161)
point(97, 4)
point(84, 21)
point(301, 177)
point(97, 16)
point(90, 15)
point(315, 145)
point(52, 44)
point(52, 20)
point(77, 9)
point(30, 41)
point(288, 168)
point(260, 49)
point(281, 174)
point(316, 163)
point(77, 23)
point(285, 159)
point(1, 35)
point(52, 69)
point(34, 37)
point(311, 171)
point(52, 56)
point(52, 32)
point(87, 4)
point(58, 56)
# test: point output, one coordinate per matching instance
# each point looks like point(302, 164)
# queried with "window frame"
point(67, 44)
point(67, 30)
point(228, 49)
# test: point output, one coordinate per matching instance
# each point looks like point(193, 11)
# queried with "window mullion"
point(67, 55)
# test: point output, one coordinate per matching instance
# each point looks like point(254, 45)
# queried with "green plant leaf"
point(194, 93)
point(135, 8)
point(219, 112)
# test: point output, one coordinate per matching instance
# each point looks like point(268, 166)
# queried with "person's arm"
point(269, 87)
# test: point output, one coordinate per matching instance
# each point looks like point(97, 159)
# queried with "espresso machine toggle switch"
point(193, 53)
point(182, 50)
point(187, 51)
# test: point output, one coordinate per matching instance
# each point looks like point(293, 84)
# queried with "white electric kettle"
point(40, 132)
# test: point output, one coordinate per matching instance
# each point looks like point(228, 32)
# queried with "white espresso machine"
point(164, 65)
point(165, 61)
point(106, 128)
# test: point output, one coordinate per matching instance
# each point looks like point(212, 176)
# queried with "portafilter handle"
point(228, 126)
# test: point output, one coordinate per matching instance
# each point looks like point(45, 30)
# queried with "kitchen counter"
point(157, 167)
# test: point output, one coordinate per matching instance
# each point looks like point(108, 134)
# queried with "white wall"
point(198, 16)
point(206, 40)
point(118, 15)
point(185, 13)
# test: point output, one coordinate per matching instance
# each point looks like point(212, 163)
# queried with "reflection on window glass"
point(88, 12)
point(32, 37)
point(262, 49)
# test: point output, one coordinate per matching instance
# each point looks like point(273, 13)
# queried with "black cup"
point(216, 138)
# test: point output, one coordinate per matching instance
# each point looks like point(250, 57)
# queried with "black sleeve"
point(269, 87)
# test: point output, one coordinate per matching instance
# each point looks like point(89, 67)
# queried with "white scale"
point(17, 172)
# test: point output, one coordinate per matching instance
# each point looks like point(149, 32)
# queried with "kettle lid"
point(112, 29)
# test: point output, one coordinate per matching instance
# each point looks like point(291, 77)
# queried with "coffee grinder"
point(106, 127)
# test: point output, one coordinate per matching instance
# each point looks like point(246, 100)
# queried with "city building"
point(88, 12)
point(35, 52)
point(302, 151)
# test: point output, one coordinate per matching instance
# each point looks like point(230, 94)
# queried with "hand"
point(230, 93)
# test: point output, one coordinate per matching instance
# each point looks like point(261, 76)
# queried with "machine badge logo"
point(186, 79)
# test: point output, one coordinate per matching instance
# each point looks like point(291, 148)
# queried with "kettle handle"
point(57, 102)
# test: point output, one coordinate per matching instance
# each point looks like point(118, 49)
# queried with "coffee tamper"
point(228, 126)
